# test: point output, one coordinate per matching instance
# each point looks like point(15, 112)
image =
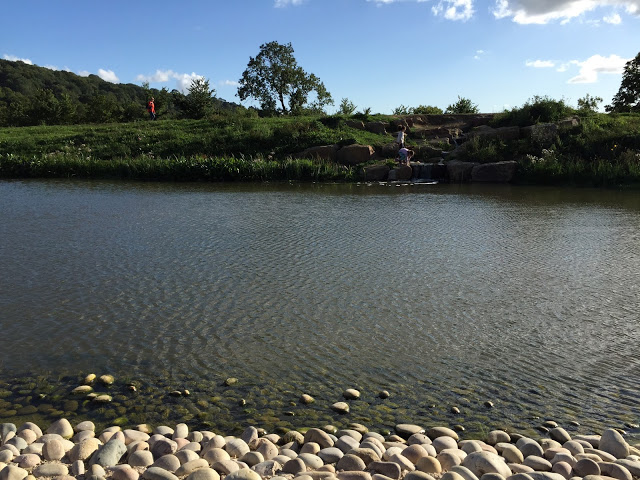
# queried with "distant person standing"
point(151, 108)
point(400, 138)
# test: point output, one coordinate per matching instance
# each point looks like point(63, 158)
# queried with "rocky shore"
point(64, 452)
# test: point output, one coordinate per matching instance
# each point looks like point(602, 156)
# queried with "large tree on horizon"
point(628, 97)
point(275, 80)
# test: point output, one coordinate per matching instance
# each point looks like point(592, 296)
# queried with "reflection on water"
point(525, 295)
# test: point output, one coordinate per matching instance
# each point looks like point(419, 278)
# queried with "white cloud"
point(286, 3)
point(183, 80)
point(13, 58)
point(478, 54)
point(544, 11)
point(454, 9)
point(52, 67)
point(108, 76)
point(614, 19)
point(230, 83)
point(449, 9)
point(592, 66)
point(84, 73)
point(540, 63)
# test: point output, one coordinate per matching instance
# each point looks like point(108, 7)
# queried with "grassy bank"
point(193, 168)
point(603, 150)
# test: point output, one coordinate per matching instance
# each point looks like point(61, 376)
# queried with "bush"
point(463, 105)
point(536, 110)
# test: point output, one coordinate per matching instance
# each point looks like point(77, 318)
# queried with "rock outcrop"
point(498, 172)
point(354, 154)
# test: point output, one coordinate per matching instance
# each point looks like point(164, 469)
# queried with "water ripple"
point(509, 292)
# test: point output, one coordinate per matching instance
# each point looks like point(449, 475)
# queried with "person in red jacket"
point(151, 108)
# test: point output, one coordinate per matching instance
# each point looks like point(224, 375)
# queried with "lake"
point(443, 295)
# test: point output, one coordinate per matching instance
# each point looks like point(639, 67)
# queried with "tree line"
point(32, 95)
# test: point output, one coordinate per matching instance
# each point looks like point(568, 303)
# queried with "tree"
point(419, 110)
point(347, 107)
point(199, 101)
point(463, 105)
point(628, 97)
point(588, 104)
point(275, 80)
point(427, 110)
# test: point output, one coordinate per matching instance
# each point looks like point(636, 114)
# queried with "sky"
point(379, 54)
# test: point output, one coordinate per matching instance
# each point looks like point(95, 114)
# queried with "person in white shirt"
point(400, 138)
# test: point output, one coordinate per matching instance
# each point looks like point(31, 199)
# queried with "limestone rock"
point(498, 172)
point(354, 154)
point(458, 171)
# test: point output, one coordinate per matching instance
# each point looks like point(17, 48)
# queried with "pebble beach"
point(63, 451)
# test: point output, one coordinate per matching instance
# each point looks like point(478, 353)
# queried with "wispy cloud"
point(540, 63)
point(614, 19)
point(478, 55)
point(183, 80)
point(229, 83)
point(592, 66)
point(541, 12)
point(13, 58)
point(286, 3)
point(454, 9)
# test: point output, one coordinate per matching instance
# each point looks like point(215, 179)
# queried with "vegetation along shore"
point(563, 148)
point(61, 125)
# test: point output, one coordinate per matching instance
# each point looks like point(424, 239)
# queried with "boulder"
point(542, 134)
point(508, 133)
point(568, 123)
point(354, 154)
point(498, 172)
point(322, 152)
point(376, 173)
point(357, 124)
point(401, 173)
point(427, 151)
point(483, 131)
point(376, 127)
point(459, 171)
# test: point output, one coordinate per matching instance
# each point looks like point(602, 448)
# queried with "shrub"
point(536, 110)
point(463, 105)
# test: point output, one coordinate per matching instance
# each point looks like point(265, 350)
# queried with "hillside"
point(33, 95)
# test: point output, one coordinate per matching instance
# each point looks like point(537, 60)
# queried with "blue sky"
point(379, 54)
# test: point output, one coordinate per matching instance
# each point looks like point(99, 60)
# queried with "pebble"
point(11, 472)
point(61, 427)
point(156, 473)
point(340, 407)
point(351, 394)
point(351, 453)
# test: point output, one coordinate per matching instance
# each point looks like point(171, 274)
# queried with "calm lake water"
point(443, 295)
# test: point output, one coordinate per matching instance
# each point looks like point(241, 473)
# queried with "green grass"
point(602, 151)
point(220, 136)
point(192, 168)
